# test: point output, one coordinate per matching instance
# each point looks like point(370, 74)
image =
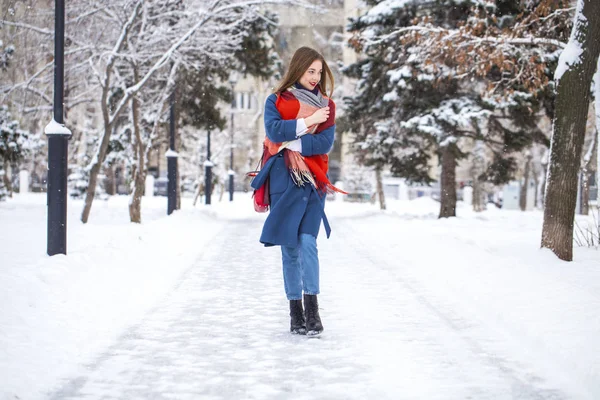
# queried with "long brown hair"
point(301, 61)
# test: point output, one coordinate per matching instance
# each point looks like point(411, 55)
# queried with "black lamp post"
point(231, 172)
point(172, 160)
point(208, 171)
point(58, 145)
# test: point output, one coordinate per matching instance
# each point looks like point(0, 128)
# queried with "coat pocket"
point(279, 177)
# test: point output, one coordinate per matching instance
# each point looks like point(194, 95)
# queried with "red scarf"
point(291, 104)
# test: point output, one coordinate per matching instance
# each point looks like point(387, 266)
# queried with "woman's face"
point(312, 76)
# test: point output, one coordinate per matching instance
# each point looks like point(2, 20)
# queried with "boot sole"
point(298, 332)
point(314, 333)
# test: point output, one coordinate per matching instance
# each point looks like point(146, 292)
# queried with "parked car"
point(360, 197)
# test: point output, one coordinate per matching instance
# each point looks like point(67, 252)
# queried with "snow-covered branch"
point(121, 40)
point(570, 55)
point(481, 46)
point(47, 32)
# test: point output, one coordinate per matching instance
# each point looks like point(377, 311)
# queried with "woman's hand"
point(318, 117)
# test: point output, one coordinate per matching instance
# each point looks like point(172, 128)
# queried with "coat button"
point(305, 198)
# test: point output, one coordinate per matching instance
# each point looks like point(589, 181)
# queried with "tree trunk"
point(7, 178)
point(222, 186)
point(586, 173)
point(139, 172)
point(597, 110)
point(2, 188)
point(199, 192)
point(542, 188)
point(478, 167)
point(536, 184)
point(111, 184)
point(98, 159)
point(106, 118)
point(177, 146)
point(584, 200)
point(178, 203)
point(572, 102)
point(380, 193)
point(525, 185)
point(448, 184)
point(478, 196)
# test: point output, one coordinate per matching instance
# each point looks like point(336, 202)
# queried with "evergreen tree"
point(419, 95)
point(396, 89)
point(14, 145)
point(6, 54)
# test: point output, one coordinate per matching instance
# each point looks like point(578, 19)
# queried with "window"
point(245, 101)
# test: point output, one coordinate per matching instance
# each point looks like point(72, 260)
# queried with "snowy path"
point(222, 334)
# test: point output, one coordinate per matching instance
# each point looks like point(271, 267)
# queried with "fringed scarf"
point(298, 103)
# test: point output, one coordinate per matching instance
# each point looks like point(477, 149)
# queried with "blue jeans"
point(301, 267)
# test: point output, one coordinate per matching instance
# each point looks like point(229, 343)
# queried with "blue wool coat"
point(293, 209)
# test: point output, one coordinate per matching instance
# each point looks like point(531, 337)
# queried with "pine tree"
point(6, 54)
point(14, 145)
point(424, 87)
point(399, 96)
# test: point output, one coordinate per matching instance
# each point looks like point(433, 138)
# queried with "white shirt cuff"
point(295, 145)
point(301, 127)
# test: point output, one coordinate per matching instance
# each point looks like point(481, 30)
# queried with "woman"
point(300, 128)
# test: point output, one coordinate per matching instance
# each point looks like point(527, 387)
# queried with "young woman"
point(300, 127)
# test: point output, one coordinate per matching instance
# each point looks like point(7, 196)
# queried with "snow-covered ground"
point(192, 306)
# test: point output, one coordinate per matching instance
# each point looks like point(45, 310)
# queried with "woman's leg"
point(310, 279)
point(292, 274)
point(292, 279)
point(309, 263)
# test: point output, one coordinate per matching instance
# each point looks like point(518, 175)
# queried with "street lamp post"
point(208, 171)
point(231, 172)
point(58, 145)
point(172, 161)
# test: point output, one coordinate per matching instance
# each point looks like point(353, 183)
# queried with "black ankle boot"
point(297, 324)
point(311, 312)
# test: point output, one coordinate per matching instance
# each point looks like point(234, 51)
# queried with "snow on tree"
point(444, 125)
point(499, 54)
point(510, 44)
point(15, 143)
point(401, 110)
point(6, 54)
point(371, 112)
point(125, 59)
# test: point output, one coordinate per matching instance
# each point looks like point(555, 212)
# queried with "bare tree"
point(118, 56)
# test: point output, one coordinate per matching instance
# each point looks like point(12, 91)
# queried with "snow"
point(171, 153)
point(60, 310)
point(572, 53)
point(397, 74)
point(191, 306)
point(54, 128)
point(391, 96)
point(383, 9)
point(458, 112)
